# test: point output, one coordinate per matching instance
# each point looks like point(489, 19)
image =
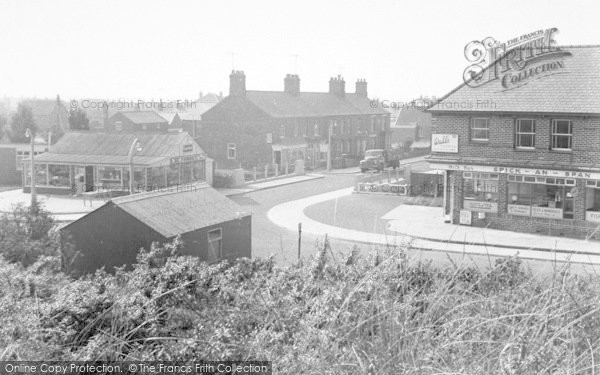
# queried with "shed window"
point(215, 244)
point(118, 126)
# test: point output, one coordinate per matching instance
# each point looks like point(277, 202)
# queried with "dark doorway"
point(277, 157)
point(89, 178)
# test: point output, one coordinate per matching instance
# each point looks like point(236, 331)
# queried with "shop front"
point(156, 166)
point(554, 202)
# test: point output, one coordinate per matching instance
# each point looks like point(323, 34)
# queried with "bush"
point(376, 314)
point(26, 234)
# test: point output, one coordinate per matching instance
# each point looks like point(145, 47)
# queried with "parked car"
point(379, 159)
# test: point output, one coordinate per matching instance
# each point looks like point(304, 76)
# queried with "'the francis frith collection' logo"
point(516, 62)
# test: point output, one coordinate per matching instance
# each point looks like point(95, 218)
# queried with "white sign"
point(269, 138)
point(465, 217)
point(593, 216)
point(516, 170)
point(519, 210)
point(546, 212)
point(480, 206)
point(444, 143)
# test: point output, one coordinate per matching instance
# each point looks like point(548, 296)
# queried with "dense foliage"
point(376, 314)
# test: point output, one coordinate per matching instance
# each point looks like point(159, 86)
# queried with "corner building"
point(525, 156)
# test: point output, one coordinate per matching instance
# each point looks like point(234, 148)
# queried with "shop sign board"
point(186, 159)
point(593, 216)
point(546, 212)
point(519, 210)
point(516, 170)
point(480, 206)
point(444, 143)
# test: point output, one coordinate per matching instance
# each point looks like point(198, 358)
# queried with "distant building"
point(212, 227)
point(411, 131)
point(87, 161)
point(49, 116)
point(11, 160)
point(254, 128)
point(137, 121)
point(521, 151)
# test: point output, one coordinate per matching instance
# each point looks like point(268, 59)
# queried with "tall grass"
point(380, 314)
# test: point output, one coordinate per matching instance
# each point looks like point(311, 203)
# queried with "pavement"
point(63, 207)
point(269, 184)
point(67, 208)
point(424, 228)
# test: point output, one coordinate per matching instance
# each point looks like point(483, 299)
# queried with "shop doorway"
point(277, 157)
point(89, 178)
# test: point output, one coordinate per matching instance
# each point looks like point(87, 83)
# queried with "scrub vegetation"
point(379, 314)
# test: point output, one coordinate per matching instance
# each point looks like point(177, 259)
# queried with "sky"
point(172, 50)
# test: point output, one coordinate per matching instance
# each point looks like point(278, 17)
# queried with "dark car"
point(379, 159)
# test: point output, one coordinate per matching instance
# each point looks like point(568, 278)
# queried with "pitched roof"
point(113, 148)
point(574, 88)
point(176, 212)
point(410, 116)
point(143, 117)
point(42, 110)
point(311, 104)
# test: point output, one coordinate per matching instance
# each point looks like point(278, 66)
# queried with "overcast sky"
point(174, 49)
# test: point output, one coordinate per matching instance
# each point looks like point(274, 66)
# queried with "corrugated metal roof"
point(113, 148)
point(575, 88)
point(176, 212)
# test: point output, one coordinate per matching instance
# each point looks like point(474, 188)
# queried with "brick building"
point(254, 128)
point(137, 121)
point(522, 151)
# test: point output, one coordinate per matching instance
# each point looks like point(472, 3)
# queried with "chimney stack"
point(337, 86)
point(291, 84)
point(361, 87)
point(237, 83)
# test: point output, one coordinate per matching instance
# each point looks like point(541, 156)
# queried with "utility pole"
point(329, 130)
point(299, 239)
point(29, 134)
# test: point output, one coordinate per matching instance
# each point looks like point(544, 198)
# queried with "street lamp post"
point(29, 134)
point(135, 146)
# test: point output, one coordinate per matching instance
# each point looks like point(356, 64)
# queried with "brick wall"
point(585, 140)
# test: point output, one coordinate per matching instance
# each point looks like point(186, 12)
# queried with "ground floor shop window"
point(41, 174)
point(59, 175)
point(481, 186)
point(541, 197)
point(109, 176)
point(172, 174)
point(158, 178)
point(199, 170)
point(592, 198)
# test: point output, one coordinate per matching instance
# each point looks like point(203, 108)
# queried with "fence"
point(269, 171)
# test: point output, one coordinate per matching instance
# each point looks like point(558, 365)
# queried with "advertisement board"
point(444, 143)
point(480, 206)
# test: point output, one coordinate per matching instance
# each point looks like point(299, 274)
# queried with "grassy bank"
point(379, 314)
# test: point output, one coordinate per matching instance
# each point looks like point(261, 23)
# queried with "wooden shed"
point(211, 226)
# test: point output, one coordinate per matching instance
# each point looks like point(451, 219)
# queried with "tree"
point(3, 122)
point(20, 122)
point(78, 120)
